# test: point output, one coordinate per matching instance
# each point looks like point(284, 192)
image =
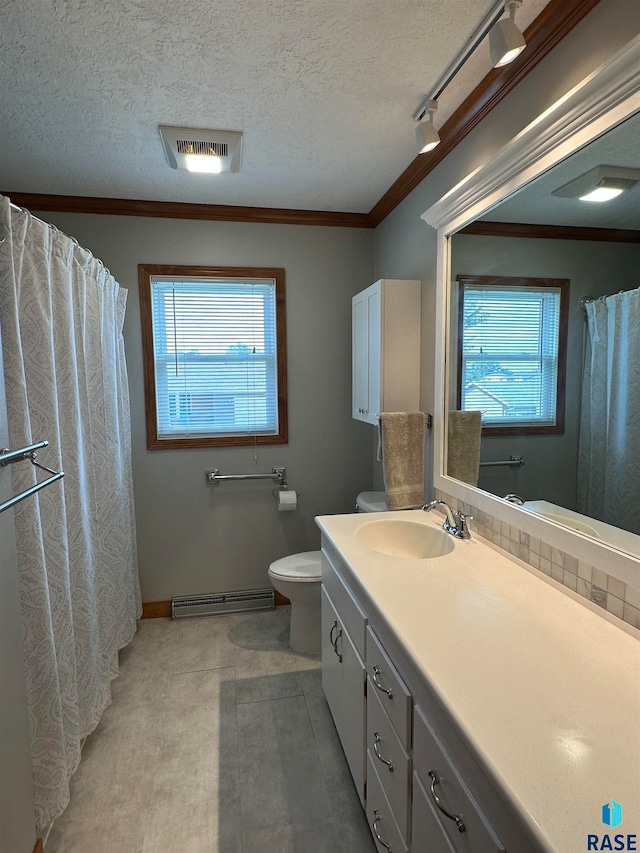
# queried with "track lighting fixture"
point(427, 136)
point(505, 39)
point(505, 43)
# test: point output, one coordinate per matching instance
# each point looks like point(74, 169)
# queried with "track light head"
point(427, 137)
point(505, 39)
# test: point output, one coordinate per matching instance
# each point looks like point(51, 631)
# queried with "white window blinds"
point(509, 348)
point(215, 357)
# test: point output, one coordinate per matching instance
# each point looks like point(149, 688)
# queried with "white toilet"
point(298, 577)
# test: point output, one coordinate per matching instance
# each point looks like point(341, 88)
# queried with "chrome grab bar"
point(7, 456)
point(514, 462)
point(279, 473)
point(436, 799)
point(20, 455)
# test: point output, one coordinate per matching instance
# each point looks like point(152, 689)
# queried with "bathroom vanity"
point(481, 706)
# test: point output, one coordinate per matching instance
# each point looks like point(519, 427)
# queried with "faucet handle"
point(461, 524)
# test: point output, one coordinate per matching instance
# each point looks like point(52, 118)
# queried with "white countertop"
point(546, 691)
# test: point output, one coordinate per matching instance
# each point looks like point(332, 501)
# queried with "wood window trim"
point(522, 281)
point(145, 274)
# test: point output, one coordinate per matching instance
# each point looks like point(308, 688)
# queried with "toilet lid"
point(303, 567)
point(372, 502)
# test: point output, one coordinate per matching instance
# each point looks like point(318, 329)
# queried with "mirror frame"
point(605, 98)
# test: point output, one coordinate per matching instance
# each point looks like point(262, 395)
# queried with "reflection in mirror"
point(505, 350)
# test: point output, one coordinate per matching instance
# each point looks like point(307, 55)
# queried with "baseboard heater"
point(224, 602)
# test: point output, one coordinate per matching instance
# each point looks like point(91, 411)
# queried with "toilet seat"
point(302, 568)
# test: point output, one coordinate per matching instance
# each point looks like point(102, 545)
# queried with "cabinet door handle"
point(381, 688)
point(376, 741)
point(333, 642)
point(436, 799)
point(374, 826)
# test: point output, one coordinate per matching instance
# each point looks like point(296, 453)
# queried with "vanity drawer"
point(380, 815)
point(390, 759)
point(447, 786)
point(352, 617)
point(389, 688)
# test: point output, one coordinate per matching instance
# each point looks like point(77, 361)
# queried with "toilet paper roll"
point(287, 500)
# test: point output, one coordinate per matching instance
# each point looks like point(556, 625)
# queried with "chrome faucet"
point(514, 499)
point(455, 523)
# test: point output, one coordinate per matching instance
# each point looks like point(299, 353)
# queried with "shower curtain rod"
point(587, 299)
point(58, 231)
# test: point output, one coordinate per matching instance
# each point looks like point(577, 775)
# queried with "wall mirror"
point(515, 341)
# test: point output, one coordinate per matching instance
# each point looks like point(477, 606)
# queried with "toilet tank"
point(371, 502)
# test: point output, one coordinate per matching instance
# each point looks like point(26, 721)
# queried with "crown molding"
point(484, 228)
point(184, 210)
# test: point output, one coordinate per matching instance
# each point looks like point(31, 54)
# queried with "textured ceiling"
point(324, 91)
point(536, 204)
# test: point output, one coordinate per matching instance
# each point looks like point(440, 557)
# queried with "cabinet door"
point(426, 833)
point(360, 358)
point(343, 682)
point(374, 352)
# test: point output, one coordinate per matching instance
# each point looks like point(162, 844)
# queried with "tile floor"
point(218, 740)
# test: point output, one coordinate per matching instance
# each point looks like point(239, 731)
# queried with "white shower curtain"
point(62, 314)
point(609, 449)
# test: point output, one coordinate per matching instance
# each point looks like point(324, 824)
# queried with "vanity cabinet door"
point(426, 834)
point(343, 681)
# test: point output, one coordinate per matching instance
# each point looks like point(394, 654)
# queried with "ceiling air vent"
point(200, 150)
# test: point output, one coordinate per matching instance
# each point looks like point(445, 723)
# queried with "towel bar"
point(514, 462)
point(280, 474)
point(29, 452)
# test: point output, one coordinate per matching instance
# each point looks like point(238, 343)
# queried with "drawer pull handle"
point(387, 690)
point(376, 819)
point(333, 642)
point(436, 799)
point(377, 740)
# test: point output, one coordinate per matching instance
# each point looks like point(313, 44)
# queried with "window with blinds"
point(512, 352)
point(214, 356)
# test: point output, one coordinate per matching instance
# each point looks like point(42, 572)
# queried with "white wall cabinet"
point(386, 349)
point(421, 786)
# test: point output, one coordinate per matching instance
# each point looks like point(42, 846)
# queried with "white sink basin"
point(573, 523)
point(407, 539)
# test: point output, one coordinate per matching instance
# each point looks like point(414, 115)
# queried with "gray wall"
point(194, 538)
point(17, 820)
point(405, 247)
point(594, 269)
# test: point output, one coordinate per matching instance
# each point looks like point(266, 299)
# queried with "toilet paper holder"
point(278, 473)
